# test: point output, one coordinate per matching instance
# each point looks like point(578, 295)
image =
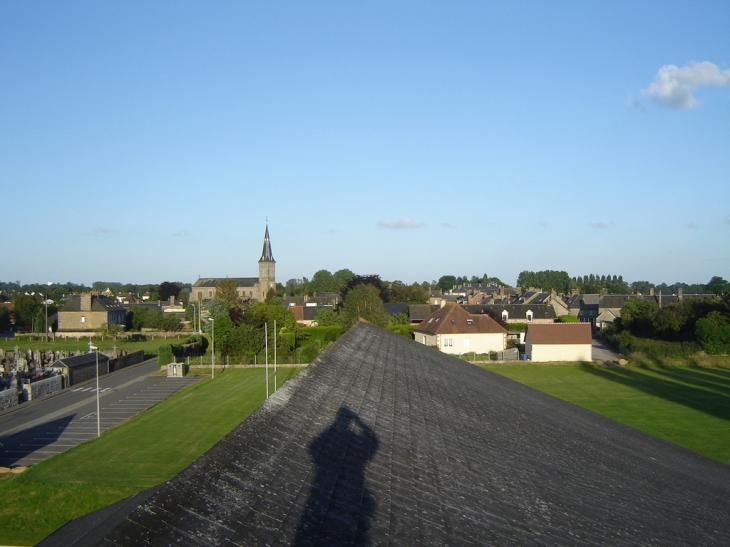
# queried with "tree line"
point(562, 283)
point(696, 324)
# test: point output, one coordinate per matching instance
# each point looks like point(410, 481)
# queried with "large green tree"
point(4, 318)
point(410, 294)
point(446, 282)
point(259, 313)
point(226, 291)
point(25, 308)
point(547, 280)
point(168, 289)
point(717, 285)
point(363, 302)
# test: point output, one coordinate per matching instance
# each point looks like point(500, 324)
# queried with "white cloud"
point(600, 225)
point(105, 231)
point(184, 233)
point(400, 224)
point(673, 85)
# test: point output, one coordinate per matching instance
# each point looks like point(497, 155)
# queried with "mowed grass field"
point(687, 405)
point(144, 451)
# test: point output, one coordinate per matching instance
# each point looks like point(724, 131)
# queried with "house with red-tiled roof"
point(454, 330)
point(559, 342)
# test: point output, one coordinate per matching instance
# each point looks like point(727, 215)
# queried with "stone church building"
point(248, 288)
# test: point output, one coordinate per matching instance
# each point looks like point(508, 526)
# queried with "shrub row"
point(654, 349)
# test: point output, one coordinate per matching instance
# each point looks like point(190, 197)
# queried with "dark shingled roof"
point(454, 319)
point(98, 303)
point(385, 441)
point(213, 281)
point(266, 255)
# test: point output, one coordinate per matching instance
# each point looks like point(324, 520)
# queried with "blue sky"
point(150, 141)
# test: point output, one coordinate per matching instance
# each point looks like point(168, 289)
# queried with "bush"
point(403, 330)
point(567, 319)
point(516, 326)
point(654, 349)
point(165, 355)
point(713, 333)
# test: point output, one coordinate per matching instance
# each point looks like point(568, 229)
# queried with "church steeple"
point(266, 255)
point(267, 268)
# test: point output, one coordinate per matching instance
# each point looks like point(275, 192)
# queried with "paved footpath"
point(37, 430)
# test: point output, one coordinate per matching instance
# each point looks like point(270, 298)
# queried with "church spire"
point(266, 255)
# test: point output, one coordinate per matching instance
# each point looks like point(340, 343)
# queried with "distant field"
point(145, 451)
point(687, 405)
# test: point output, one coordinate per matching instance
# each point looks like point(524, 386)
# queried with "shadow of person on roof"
point(340, 508)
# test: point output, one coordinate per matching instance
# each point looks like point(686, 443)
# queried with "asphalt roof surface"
point(383, 441)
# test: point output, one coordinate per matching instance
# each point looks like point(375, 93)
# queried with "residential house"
point(452, 329)
point(87, 312)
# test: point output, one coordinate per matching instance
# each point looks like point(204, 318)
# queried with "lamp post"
point(98, 408)
point(212, 353)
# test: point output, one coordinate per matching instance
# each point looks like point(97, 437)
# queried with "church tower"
point(267, 267)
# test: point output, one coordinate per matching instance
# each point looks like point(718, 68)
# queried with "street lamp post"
point(98, 408)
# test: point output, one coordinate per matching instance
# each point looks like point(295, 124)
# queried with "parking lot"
point(38, 430)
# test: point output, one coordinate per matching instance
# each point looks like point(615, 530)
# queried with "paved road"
point(45, 427)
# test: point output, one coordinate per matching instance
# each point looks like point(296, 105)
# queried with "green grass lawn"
point(689, 406)
point(144, 451)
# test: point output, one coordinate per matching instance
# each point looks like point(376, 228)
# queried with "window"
point(528, 314)
point(83, 319)
point(505, 315)
point(467, 342)
point(469, 321)
point(448, 342)
point(210, 294)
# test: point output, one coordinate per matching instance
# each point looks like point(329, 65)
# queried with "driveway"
point(603, 352)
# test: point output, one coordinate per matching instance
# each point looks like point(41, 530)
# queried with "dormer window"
point(469, 321)
point(505, 315)
point(529, 316)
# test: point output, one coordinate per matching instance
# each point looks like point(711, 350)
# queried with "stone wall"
point(131, 358)
point(44, 387)
point(8, 398)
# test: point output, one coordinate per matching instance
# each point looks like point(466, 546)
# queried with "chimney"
point(85, 302)
point(172, 300)
point(680, 294)
point(651, 291)
point(660, 299)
